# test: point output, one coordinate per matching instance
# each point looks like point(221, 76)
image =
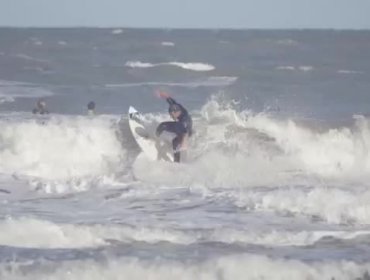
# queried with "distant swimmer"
point(40, 107)
point(91, 108)
point(181, 126)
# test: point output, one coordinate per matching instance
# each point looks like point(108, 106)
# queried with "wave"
point(216, 81)
point(242, 146)
point(139, 64)
point(292, 68)
point(194, 66)
point(168, 44)
point(304, 68)
point(30, 58)
point(10, 90)
point(166, 267)
point(85, 147)
point(12, 83)
point(343, 71)
point(117, 31)
point(253, 161)
point(35, 41)
point(43, 70)
point(31, 233)
point(336, 152)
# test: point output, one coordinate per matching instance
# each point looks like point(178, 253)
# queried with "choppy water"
point(276, 185)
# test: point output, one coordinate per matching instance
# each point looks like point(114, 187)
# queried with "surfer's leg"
point(176, 157)
point(162, 127)
point(176, 151)
point(174, 127)
point(178, 129)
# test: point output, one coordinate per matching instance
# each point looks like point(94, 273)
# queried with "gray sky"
point(337, 14)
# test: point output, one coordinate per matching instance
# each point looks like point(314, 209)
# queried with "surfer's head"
point(91, 105)
point(91, 108)
point(174, 110)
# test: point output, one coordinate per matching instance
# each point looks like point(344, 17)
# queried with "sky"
point(245, 14)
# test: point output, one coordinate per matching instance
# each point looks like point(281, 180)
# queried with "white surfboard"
point(151, 147)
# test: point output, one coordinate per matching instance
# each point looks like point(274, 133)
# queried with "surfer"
point(40, 107)
point(181, 126)
point(91, 108)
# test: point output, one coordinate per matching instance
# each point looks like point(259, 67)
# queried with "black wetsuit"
point(40, 111)
point(181, 127)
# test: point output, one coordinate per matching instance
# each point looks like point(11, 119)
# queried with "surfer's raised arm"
point(165, 95)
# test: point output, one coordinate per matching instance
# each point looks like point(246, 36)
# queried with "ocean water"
point(275, 185)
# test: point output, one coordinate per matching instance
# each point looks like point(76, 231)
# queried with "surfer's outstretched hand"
point(161, 94)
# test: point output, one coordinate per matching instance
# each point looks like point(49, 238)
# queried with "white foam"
point(336, 152)
point(139, 64)
point(117, 31)
point(316, 173)
point(221, 80)
point(59, 148)
point(242, 147)
point(24, 56)
point(38, 42)
point(304, 68)
point(343, 71)
point(291, 68)
point(168, 44)
point(231, 267)
point(6, 99)
point(332, 205)
point(27, 57)
point(12, 83)
point(238, 158)
point(194, 66)
point(32, 233)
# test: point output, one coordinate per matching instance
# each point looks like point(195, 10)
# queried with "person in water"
point(91, 108)
point(40, 107)
point(181, 125)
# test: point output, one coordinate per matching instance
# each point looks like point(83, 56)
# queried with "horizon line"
point(184, 28)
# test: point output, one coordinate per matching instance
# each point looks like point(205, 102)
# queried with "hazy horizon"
point(192, 14)
point(182, 28)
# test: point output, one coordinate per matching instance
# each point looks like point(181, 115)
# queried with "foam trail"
point(194, 66)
